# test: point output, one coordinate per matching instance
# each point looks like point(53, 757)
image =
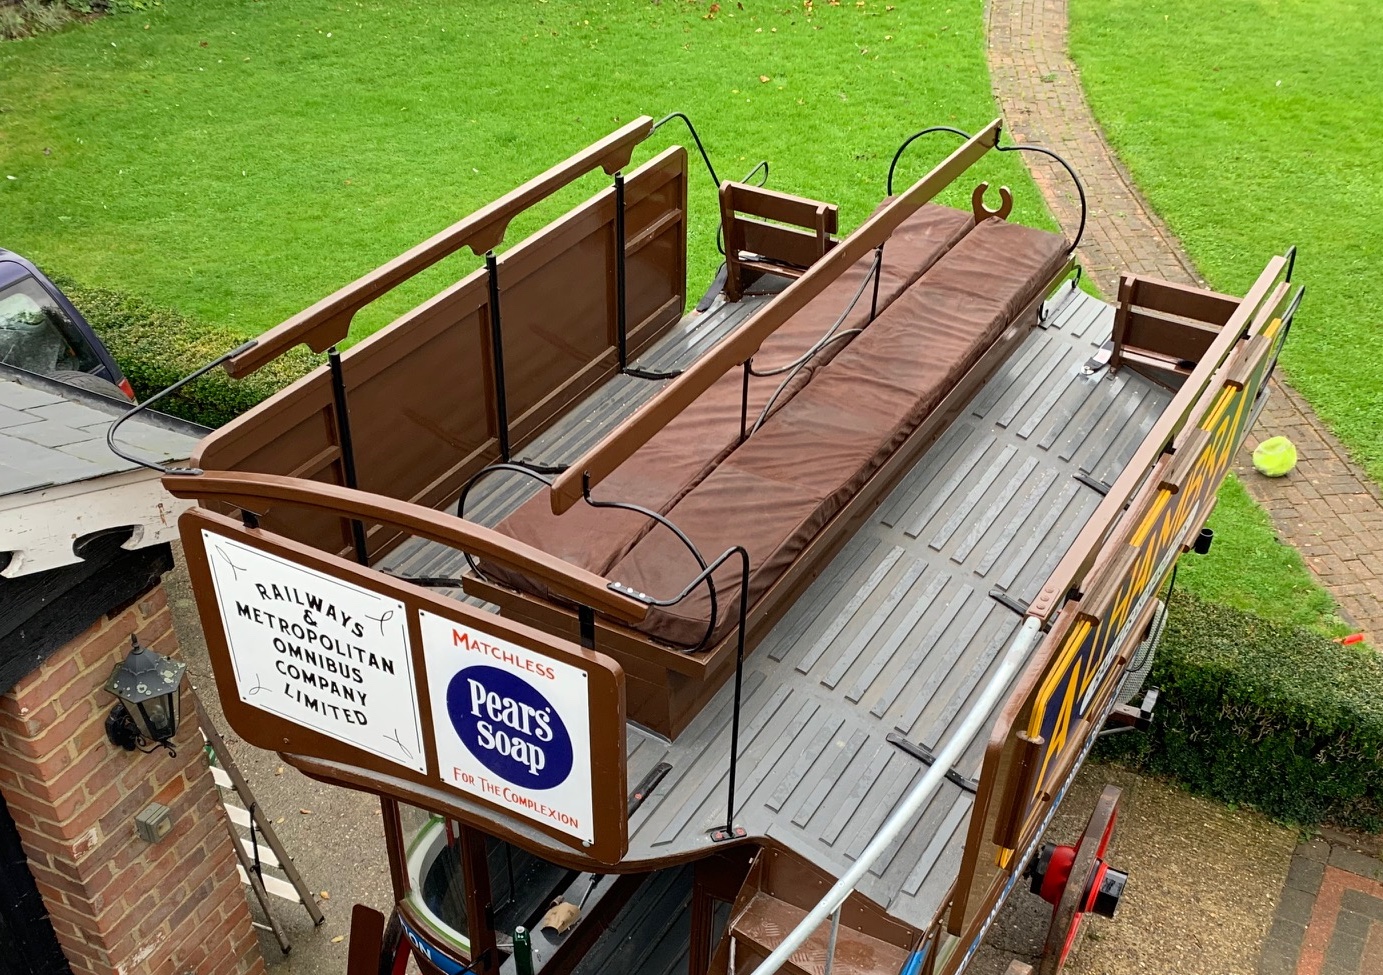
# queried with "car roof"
point(13, 268)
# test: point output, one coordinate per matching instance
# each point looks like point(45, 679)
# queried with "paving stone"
point(1314, 849)
point(1356, 863)
point(1304, 874)
point(1344, 953)
point(1294, 910)
point(1277, 958)
point(1362, 904)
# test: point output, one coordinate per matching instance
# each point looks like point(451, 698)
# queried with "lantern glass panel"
point(156, 717)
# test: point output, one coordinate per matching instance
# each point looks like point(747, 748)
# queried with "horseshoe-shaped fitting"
point(981, 211)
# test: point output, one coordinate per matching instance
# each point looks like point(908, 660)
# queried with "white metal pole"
point(902, 817)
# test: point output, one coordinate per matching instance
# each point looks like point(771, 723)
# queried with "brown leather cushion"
point(777, 490)
point(685, 451)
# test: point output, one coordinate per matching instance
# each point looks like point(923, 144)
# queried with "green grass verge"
point(238, 160)
point(1265, 714)
point(1251, 125)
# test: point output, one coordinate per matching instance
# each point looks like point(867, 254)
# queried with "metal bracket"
point(1099, 360)
point(1126, 717)
point(723, 835)
point(1093, 483)
point(1007, 601)
point(925, 755)
point(646, 785)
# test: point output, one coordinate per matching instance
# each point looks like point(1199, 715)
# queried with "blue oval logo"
point(509, 727)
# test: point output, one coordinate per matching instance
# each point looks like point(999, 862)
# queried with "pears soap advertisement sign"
point(512, 725)
point(318, 651)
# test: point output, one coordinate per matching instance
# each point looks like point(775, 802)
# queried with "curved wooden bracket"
point(977, 203)
point(257, 492)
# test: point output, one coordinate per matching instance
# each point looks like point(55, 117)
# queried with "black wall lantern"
point(147, 685)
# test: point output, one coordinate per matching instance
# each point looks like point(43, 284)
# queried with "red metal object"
point(1077, 881)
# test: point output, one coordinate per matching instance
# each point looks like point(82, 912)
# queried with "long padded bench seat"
point(682, 454)
point(776, 491)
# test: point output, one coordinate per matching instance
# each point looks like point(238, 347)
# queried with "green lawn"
point(238, 160)
point(1251, 125)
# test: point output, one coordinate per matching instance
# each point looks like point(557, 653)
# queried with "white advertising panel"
point(318, 651)
point(513, 726)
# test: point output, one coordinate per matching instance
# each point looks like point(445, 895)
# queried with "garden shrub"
point(1265, 714)
point(156, 347)
point(22, 18)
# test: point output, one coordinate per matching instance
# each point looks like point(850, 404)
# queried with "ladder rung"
point(272, 885)
point(238, 816)
point(220, 777)
point(266, 854)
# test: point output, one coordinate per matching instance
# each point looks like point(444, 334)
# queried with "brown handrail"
point(1082, 554)
point(242, 490)
point(327, 322)
point(639, 428)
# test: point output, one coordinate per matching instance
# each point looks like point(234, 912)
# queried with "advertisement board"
point(512, 726)
point(360, 678)
point(318, 651)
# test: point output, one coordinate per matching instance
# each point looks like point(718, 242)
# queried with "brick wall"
point(120, 905)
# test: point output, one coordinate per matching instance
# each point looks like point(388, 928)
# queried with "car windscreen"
point(36, 335)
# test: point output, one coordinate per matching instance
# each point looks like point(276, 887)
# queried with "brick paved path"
point(1328, 508)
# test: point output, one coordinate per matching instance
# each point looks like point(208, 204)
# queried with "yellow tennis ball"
point(1275, 456)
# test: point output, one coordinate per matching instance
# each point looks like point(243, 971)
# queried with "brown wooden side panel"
point(421, 391)
point(421, 408)
point(558, 292)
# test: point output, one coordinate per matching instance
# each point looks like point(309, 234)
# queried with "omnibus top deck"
point(1054, 484)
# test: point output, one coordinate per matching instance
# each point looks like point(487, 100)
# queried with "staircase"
point(759, 925)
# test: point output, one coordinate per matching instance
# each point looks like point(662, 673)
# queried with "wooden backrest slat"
point(1184, 300)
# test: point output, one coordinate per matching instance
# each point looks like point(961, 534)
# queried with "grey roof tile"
point(53, 465)
point(13, 480)
point(17, 396)
point(13, 418)
point(51, 433)
point(96, 451)
point(72, 414)
point(48, 433)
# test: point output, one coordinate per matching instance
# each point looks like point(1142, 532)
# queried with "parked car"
point(42, 332)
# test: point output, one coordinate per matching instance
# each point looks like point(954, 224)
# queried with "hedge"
point(1265, 714)
point(156, 347)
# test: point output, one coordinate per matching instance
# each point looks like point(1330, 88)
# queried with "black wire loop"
point(1041, 150)
point(141, 407)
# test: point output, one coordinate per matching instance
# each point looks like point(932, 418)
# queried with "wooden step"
point(766, 921)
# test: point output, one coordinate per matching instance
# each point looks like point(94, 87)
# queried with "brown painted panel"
point(293, 610)
point(558, 298)
point(421, 391)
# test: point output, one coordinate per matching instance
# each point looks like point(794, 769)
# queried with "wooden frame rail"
point(799, 249)
point(601, 460)
point(328, 321)
point(247, 491)
point(1081, 556)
